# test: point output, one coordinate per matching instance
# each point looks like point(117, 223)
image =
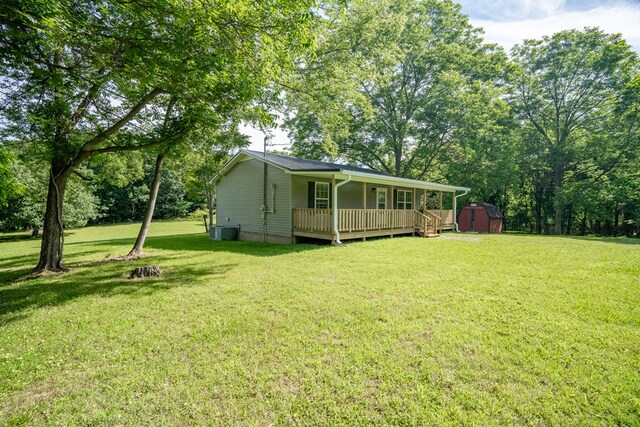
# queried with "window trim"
point(315, 195)
point(404, 202)
point(386, 198)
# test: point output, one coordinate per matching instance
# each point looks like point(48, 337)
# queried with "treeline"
point(549, 132)
point(101, 194)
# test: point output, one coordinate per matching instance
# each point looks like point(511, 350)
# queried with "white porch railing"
point(352, 220)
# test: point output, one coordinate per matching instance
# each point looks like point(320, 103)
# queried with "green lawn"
point(472, 330)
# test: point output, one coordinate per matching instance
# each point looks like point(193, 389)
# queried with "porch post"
point(391, 197)
point(334, 209)
point(364, 208)
point(442, 224)
point(453, 197)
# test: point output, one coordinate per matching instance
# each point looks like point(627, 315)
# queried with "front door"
point(381, 198)
point(381, 204)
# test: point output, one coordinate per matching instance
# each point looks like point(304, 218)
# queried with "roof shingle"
point(297, 164)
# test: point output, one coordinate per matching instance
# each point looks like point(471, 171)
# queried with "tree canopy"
point(428, 83)
point(84, 78)
point(568, 93)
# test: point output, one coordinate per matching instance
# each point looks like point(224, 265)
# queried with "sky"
point(508, 22)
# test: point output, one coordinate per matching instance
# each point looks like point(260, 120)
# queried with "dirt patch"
point(464, 238)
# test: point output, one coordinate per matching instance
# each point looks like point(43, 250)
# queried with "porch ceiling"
point(380, 179)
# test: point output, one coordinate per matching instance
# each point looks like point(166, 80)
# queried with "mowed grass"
point(475, 330)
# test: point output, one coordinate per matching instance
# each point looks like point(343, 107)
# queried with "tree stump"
point(142, 272)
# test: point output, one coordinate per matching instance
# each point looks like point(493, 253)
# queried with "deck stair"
point(426, 224)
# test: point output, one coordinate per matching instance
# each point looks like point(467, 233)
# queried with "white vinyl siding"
point(240, 198)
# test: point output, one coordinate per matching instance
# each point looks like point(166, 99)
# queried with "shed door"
point(481, 223)
point(464, 220)
point(473, 219)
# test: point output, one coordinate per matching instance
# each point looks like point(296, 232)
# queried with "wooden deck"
point(362, 223)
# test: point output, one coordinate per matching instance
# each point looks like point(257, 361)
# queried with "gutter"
point(335, 210)
point(455, 212)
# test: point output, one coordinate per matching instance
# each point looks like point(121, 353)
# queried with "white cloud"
point(624, 19)
point(498, 10)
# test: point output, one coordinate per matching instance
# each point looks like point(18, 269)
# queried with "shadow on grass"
point(104, 279)
point(20, 293)
point(15, 237)
point(18, 261)
point(617, 240)
point(602, 239)
point(21, 265)
point(201, 242)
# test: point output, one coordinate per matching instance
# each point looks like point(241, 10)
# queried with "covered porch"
point(371, 206)
point(363, 223)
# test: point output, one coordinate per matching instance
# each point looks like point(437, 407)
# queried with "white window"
point(322, 195)
point(381, 198)
point(405, 199)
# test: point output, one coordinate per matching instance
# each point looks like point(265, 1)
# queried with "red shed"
point(481, 218)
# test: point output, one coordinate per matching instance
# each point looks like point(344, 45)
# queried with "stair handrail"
point(438, 220)
point(421, 221)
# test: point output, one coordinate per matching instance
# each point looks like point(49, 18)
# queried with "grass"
point(476, 330)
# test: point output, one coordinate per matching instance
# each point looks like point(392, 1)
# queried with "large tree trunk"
point(53, 233)
point(558, 176)
point(397, 155)
point(151, 206)
point(538, 207)
point(569, 220)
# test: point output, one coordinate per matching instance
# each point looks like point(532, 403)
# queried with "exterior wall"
point(495, 225)
point(248, 236)
point(239, 198)
point(349, 195)
point(299, 188)
point(371, 195)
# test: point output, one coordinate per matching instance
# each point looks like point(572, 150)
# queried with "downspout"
point(264, 209)
point(455, 216)
point(336, 233)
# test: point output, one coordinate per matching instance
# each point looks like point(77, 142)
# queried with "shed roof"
point(298, 166)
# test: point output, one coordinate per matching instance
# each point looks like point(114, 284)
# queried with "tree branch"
point(104, 135)
point(120, 148)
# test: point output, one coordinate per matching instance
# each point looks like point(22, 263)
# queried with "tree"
point(83, 78)
point(25, 210)
point(220, 143)
point(431, 84)
point(566, 91)
point(10, 186)
point(210, 153)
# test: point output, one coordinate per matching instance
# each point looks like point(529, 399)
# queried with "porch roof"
point(315, 168)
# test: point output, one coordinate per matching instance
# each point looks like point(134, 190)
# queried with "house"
point(280, 199)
